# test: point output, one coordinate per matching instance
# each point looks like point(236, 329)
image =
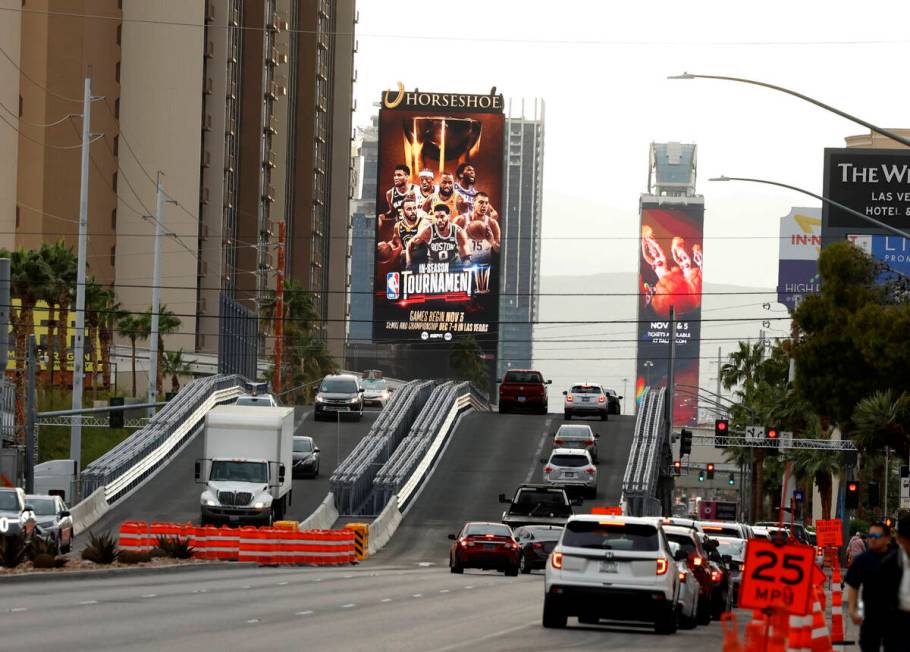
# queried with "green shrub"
point(102, 549)
point(175, 547)
point(13, 551)
point(133, 557)
point(40, 547)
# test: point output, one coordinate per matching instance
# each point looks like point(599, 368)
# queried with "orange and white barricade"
point(134, 537)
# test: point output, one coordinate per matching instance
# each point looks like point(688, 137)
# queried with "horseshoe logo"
point(391, 104)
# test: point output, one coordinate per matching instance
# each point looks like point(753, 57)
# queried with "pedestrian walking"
point(870, 572)
point(899, 635)
point(855, 547)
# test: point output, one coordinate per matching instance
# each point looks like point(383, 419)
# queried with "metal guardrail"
point(7, 411)
point(642, 475)
point(352, 481)
point(146, 450)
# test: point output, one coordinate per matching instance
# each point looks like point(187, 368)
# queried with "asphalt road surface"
point(173, 495)
point(489, 454)
point(363, 608)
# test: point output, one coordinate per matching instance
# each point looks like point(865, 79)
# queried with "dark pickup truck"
point(535, 504)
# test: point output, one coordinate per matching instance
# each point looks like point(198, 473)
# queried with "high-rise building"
point(520, 254)
point(363, 219)
point(243, 106)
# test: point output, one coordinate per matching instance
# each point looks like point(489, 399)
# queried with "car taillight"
point(537, 546)
point(514, 545)
point(590, 442)
point(548, 469)
point(698, 561)
point(590, 470)
point(556, 560)
point(568, 398)
point(662, 565)
point(682, 576)
point(715, 576)
point(602, 399)
point(558, 442)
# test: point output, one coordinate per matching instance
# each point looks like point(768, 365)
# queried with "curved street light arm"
point(843, 114)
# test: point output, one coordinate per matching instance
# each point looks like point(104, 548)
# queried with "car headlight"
point(319, 399)
point(354, 400)
point(259, 504)
point(210, 503)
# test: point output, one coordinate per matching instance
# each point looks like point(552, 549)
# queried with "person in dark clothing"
point(873, 572)
point(899, 635)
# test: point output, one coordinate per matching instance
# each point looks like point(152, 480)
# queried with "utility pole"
point(671, 372)
point(79, 344)
point(156, 297)
point(31, 409)
point(719, 358)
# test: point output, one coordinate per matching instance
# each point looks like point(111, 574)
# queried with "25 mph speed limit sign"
point(777, 577)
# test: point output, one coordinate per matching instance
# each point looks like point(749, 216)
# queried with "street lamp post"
point(647, 364)
point(880, 130)
point(625, 391)
point(855, 213)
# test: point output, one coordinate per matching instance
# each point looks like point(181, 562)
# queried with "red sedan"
point(488, 546)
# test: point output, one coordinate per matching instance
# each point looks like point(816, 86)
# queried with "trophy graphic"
point(481, 279)
point(438, 143)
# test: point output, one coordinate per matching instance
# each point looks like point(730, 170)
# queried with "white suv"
point(612, 567)
point(571, 469)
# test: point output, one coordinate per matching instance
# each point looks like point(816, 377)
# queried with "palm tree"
point(174, 365)
point(29, 274)
point(741, 368)
point(818, 464)
point(467, 364)
point(95, 302)
point(110, 314)
point(300, 321)
point(63, 266)
point(168, 323)
point(882, 419)
point(134, 327)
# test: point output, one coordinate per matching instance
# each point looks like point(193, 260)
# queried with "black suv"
point(613, 401)
point(536, 504)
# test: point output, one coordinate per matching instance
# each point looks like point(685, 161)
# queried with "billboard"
point(439, 199)
point(670, 274)
point(891, 250)
point(875, 182)
point(797, 267)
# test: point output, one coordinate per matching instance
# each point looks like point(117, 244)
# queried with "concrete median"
point(384, 526)
point(87, 512)
point(323, 518)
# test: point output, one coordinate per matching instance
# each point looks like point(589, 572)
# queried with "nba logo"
point(391, 286)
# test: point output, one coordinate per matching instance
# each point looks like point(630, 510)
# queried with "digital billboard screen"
point(891, 250)
point(439, 222)
point(671, 256)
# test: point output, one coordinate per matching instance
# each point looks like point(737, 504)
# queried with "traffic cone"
point(820, 640)
point(731, 634)
point(777, 639)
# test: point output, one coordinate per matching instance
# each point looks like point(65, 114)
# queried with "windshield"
point(585, 389)
point(729, 530)
point(43, 506)
point(540, 502)
point(569, 460)
point(574, 431)
point(732, 547)
point(610, 536)
point(303, 446)
point(481, 529)
point(544, 533)
point(255, 400)
point(375, 385)
point(9, 501)
point(231, 471)
point(338, 386)
point(684, 542)
point(523, 377)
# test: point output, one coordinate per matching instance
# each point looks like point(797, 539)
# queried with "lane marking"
point(201, 591)
point(535, 462)
point(252, 621)
point(418, 595)
point(282, 583)
point(149, 595)
point(386, 600)
point(88, 602)
point(473, 641)
point(444, 591)
point(246, 587)
point(349, 605)
point(18, 610)
point(469, 587)
point(308, 612)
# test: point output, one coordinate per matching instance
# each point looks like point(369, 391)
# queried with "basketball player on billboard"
point(445, 242)
point(400, 189)
point(445, 195)
point(464, 186)
point(426, 189)
point(405, 229)
point(483, 232)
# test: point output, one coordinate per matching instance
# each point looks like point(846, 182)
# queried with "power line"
point(37, 125)
point(33, 81)
point(38, 142)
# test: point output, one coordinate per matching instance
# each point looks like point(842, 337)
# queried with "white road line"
point(88, 602)
point(386, 600)
point(535, 462)
point(246, 587)
point(308, 612)
point(318, 579)
point(150, 595)
point(18, 610)
point(417, 595)
point(349, 605)
point(444, 591)
point(252, 621)
point(282, 583)
point(469, 587)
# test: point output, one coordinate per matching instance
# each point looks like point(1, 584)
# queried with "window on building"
point(114, 183)
point(114, 220)
point(117, 73)
point(117, 108)
point(119, 34)
point(113, 256)
point(17, 217)
point(116, 147)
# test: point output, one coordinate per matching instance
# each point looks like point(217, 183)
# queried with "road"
point(173, 495)
point(489, 454)
point(362, 608)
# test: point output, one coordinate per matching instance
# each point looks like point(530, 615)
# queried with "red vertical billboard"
point(439, 223)
point(671, 256)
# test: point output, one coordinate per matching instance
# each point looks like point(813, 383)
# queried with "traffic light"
point(889, 522)
point(677, 467)
point(772, 433)
point(731, 480)
point(701, 476)
point(710, 471)
point(851, 497)
point(721, 432)
point(685, 442)
point(874, 496)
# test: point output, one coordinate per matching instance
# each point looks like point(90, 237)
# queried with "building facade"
point(520, 278)
point(243, 107)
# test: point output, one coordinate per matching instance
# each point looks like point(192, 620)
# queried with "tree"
point(57, 293)
point(95, 302)
point(882, 419)
point(134, 327)
point(168, 323)
point(853, 336)
point(819, 465)
point(465, 360)
point(111, 312)
point(174, 365)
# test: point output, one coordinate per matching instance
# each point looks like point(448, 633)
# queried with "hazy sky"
point(601, 67)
